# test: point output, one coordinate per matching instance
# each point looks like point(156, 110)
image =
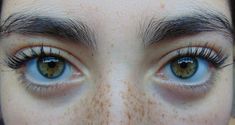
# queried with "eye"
point(189, 71)
point(185, 67)
point(47, 70)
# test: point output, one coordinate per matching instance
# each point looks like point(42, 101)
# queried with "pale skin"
point(118, 87)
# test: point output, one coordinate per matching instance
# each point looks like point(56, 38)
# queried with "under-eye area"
point(189, 72)
point(46, 70)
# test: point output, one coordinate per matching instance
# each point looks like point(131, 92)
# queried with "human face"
point(151, 62)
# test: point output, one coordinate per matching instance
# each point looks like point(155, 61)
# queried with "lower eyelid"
point(186, 91)
point(49, 90)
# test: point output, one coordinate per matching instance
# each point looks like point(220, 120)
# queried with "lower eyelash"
point(184, 91)
point(36, 89)
point(42, 91)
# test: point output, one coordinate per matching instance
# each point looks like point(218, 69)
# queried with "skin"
point(117, 89)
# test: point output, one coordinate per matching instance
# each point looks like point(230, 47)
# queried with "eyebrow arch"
point(197, 22)
point(28, 24)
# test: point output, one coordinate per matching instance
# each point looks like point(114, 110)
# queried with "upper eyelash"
point(206, 52)
point(17, 60)
point(216, 58)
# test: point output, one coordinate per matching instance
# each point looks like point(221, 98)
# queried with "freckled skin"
point(97, 111)
point(117, 90)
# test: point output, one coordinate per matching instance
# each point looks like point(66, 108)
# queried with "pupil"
point(52, 64)
point(183, 65)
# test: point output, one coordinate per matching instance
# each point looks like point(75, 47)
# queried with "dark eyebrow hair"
point(197, 22)
point(31, 24)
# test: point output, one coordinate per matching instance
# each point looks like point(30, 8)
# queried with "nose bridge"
point(116, 77)
point(125, 101)
point(116, 65)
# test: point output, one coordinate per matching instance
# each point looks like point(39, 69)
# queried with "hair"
point(0, 6)
point(232, 8)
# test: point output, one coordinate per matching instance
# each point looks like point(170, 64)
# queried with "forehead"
point(114, 20)
point(105, 10)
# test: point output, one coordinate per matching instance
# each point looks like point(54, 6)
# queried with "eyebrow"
point(68, 29)
point(157, 30)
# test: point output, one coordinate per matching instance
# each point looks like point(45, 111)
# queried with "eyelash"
point(216, 58)
point(16, 61)
point(206, 52)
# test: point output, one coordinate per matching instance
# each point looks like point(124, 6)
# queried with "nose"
point(120, 100)
point(117, 79)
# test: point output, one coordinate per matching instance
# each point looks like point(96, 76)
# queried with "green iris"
point(51, 67)
point(185, 67)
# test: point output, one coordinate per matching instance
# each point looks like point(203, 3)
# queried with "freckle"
point(129, 116)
